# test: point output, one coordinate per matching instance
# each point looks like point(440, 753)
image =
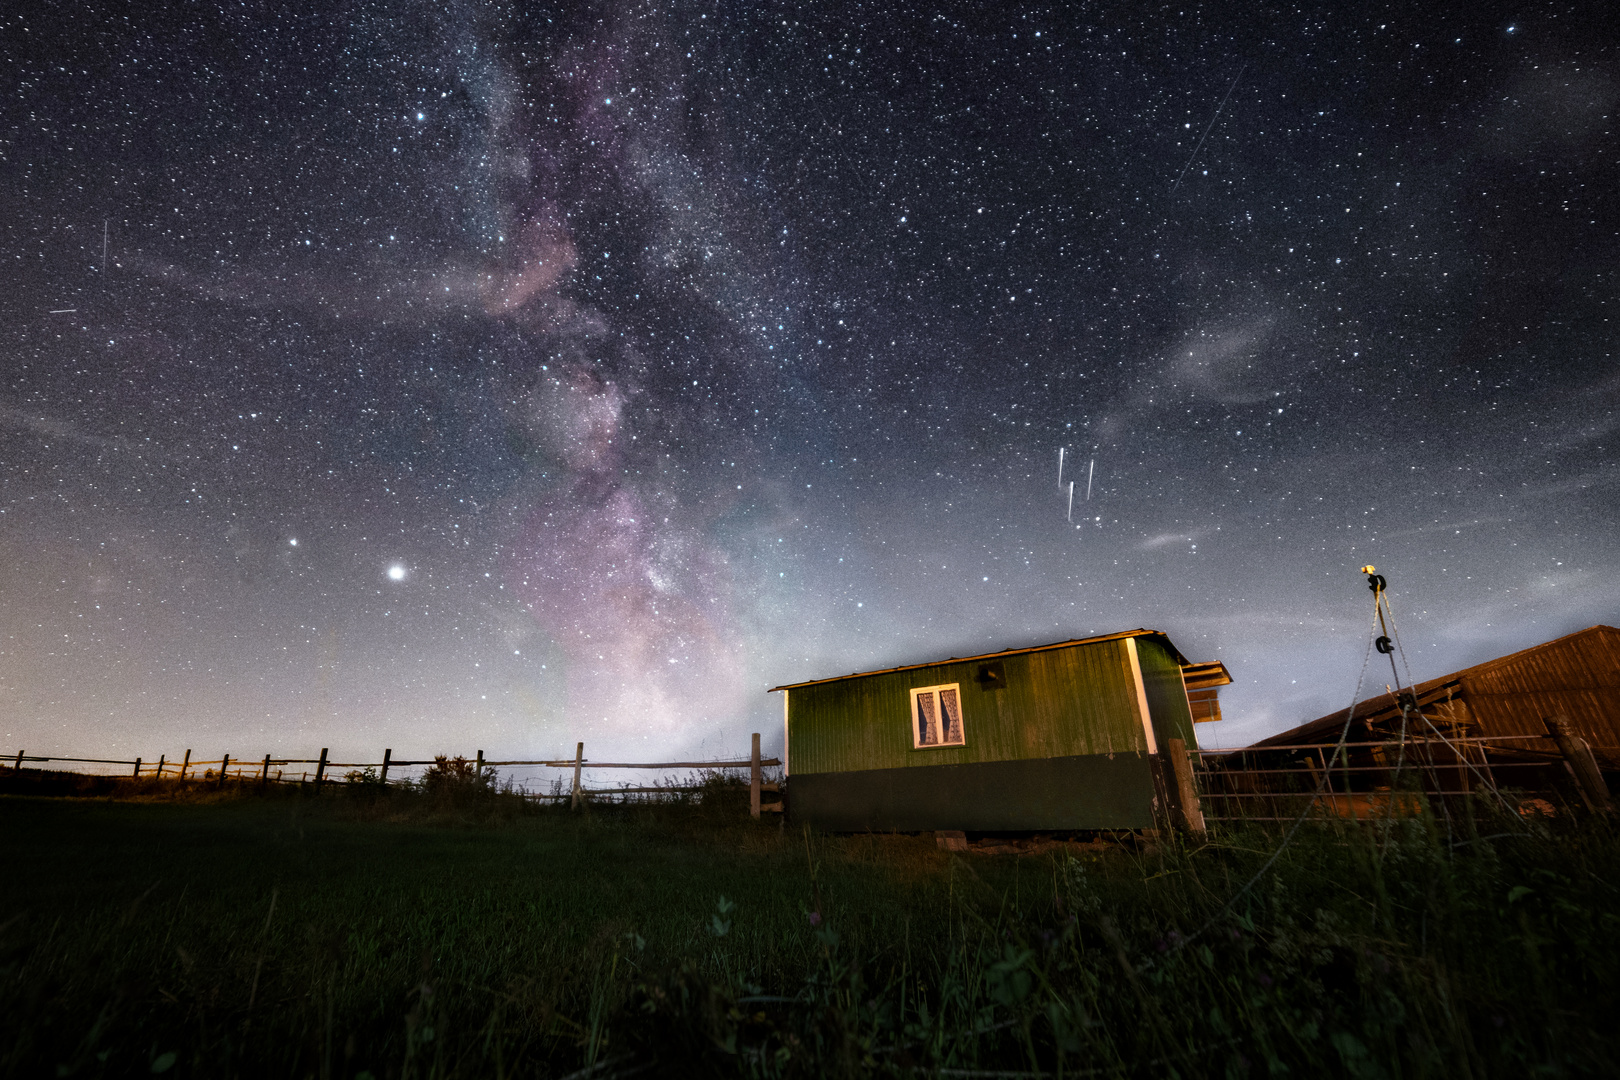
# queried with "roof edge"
point(1139, 632)
point(1207, 675)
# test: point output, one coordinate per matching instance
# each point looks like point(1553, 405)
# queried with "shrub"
point(450, 777)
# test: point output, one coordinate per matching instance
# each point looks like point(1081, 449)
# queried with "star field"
point(479, 375)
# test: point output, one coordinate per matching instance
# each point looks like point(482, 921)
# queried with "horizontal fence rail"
point(148, 766)
point(1410, 741)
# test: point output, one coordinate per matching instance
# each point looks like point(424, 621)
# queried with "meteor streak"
point(1211, 127)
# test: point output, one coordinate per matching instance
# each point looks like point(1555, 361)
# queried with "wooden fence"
point(1256, 783)
point(1372, 779)
point(258, 770)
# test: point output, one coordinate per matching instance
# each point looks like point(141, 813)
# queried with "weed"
point(399, 934)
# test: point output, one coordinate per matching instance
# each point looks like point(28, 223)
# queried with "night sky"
point(453, 376)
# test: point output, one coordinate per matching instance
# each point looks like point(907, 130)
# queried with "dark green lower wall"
point(1087, 792)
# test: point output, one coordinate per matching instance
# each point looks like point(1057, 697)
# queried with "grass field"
point(414, 935)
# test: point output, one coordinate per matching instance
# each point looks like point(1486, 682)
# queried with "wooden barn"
point(1069, 736)
point(1508, 699)
point(1545, 721)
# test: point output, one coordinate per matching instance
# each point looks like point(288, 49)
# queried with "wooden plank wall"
point(1166, 693)
point(1577, 677)
point(1056, 703)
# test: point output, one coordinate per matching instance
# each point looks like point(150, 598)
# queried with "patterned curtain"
point(927, 721)
point(951, 710)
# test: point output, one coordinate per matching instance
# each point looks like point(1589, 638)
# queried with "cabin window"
point(936, 716)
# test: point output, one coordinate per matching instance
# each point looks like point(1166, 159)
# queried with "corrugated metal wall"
point(1056, 703)
point(1577, 677)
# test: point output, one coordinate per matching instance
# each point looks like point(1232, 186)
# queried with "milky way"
point(491, 377)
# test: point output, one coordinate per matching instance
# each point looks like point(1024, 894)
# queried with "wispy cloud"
point(1153, 543)
point(50, 427)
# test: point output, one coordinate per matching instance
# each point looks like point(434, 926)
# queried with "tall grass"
point(432, 935)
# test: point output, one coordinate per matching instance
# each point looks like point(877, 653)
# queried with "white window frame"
point(937, 691)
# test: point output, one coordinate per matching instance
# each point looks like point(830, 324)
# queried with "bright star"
point(396, 573)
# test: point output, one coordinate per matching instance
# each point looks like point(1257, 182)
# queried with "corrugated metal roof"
point(1182, 660)
point(1577, 675)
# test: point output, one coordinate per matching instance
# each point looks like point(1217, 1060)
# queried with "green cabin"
point(1060, 737)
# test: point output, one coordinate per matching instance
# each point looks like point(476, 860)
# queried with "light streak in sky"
point(1211, 127)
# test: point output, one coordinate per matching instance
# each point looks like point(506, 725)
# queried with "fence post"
point(478, 771)
point(184, 765)
point(264, 776)
point(224, 765)
point(388, 756)
point(579, 793)
point(753, 779)
point(18, 766)
point(320, 770)
point(1581, 762)
point(161, 759)
point(137, 771)
point(1186, 793)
